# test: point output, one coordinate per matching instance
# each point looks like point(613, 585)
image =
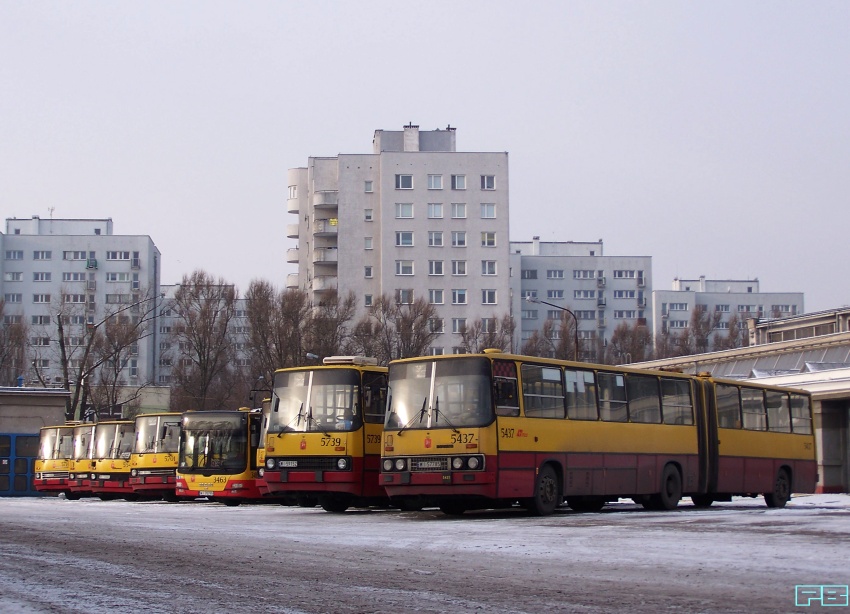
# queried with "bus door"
point(708, 439)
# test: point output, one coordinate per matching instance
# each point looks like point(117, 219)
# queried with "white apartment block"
point(78, 265)
point(413, 219)
point(601, 291)
point(672, 309)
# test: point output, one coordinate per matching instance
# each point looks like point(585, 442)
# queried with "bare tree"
point(204, 373)
point(279, 325)
point(393, 330)
point(702, 325)
point(629, 343)
point(328, 324)
point(555, 340)
point(733, 337)
point(13, 343)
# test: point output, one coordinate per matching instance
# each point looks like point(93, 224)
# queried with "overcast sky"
point(714, 137)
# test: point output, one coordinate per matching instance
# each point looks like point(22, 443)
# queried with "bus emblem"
point(427, 442)
point(303, 444)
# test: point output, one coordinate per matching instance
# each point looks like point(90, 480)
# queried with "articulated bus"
point(81, 464)
point(323, 437)
point(110, 476)
point(489, 430)
point(217, 455)
point(53, 463)
point(153, 463)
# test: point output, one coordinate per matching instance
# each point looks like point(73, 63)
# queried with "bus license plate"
point(205, 493)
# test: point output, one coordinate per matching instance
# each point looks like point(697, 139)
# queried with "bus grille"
point(429, 463)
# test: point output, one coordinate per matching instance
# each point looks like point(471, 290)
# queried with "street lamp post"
point(532, 299)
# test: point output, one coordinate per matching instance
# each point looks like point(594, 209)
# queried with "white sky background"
point(714, 137)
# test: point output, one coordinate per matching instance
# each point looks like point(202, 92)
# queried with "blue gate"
point(17, 462)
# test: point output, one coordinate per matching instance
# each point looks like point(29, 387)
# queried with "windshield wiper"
point(316, 422)
point(437, 416)
point(421, 415)
point(280, 430)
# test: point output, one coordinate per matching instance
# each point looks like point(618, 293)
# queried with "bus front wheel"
point(781, 490)
point(547, 492)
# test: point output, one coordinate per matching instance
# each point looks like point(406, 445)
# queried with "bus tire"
point(671, 491)
point(452, 508)
point(586, 504)
point(781, 490)
point(702, 500)
point(547, 492)
point(334, 506)
point(72, 496)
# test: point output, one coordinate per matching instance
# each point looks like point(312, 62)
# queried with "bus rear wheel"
point(781, 490)
point(702, 500)
point(547, 492)
point(671, 491)
point(335, 506)
point(452, 508)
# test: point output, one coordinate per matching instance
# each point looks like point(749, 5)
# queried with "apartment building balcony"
point(292, 231)
point(292, 205)
point(325, 199)
point(325, 255)
point(326, 228)
point(600, 323)
point(324, 283)
point(292, 281)
point(292, 255)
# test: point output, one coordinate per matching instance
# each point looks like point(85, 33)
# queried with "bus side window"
point(728, 406)
point(801, 414)
point(752, 405)
point(778, 412)
point(507, 402)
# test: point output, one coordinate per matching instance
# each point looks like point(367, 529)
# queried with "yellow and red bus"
point(81, 464)
point(217, 455)
point(488, 430)
point(110, 475)
point(53, 463)
point(323, 437)
point(153, 463)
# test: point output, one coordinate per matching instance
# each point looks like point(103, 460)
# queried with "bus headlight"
point(473, 462)
point(93, 476)
point(399, 464)
point(388, 464)
point(261, 471)
point(270, 463)
point(457, 463)
point(134, 472)
point(342, 464)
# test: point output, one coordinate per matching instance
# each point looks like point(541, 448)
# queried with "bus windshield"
point(321, 400)
point(82, 442)
point(157, 434)
point(47, 447)
point(434, 394)
point(216, 442)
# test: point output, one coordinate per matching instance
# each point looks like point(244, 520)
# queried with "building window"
point(41, 341)
point(554, 314)
point(528, 294)
point(13, 297)
point(73, 276)
point(435, 351)
point(436, 325)
point(678, 306)
point(403, 210)
point(622, 274)
point(367, 242)
point(117, 255)
point(435, 182)
point(458, 238)
point(41, 276)
point(625, 314)
point(16, 276)
point(488, 211)
point(72, 255)
point(112, 277)
point(404, 297)
point(488, 239)
point(40, 298)
point(722, 308)
point(77, 299)
point(367, 272)
point(435, 211)
point(404, 267)
point(488, 297)
point(14, 254)
point(404, 182)
point(458, 267)
point(678, 324)
point(583, 274)
point(404, 238)
point(117, 299)
point(42, 255)
point(368, 215)
point(435, 297)
point(293, 192)
point(367, 300)
point(458, 297)
point(41, 320)
point(458, 325)
point(529, 314)
point(584, 294)
point(435, 267)
point(554, 274)
point(528, 274)
point(458, 182)
point(624, 293)
point(435, 238)
point(555, 294)
point(367, 185)
point(488, 267)
point(458, 211)
point(488, 182)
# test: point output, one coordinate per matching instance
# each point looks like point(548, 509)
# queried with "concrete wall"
point(26, 410)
